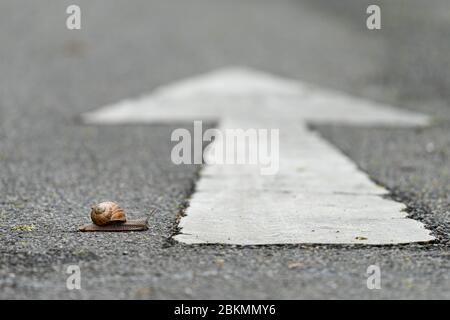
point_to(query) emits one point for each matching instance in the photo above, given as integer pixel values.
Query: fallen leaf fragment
(23, 228)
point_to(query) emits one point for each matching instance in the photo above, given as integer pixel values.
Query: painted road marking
(318, 196)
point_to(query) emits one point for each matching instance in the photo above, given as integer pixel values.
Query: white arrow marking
(318, 195)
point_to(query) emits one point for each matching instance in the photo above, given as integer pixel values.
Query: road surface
(53, 167)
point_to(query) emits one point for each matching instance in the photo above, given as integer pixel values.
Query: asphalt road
(53, 168)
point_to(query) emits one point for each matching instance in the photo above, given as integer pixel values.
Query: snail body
(107, 213)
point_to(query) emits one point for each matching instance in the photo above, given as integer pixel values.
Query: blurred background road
(52, 168)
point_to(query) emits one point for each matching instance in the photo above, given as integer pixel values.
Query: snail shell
(106, 213)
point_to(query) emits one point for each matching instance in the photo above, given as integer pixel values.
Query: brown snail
(109, 216)
(106, 213)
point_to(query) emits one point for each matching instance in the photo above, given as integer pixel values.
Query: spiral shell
(106, 213)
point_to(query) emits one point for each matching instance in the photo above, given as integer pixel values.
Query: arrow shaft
(318, 196)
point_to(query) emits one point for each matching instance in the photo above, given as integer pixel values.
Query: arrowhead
(231, 81)
(247, 94)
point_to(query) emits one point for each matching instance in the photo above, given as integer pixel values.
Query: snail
(109, 216)
(106, 213)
